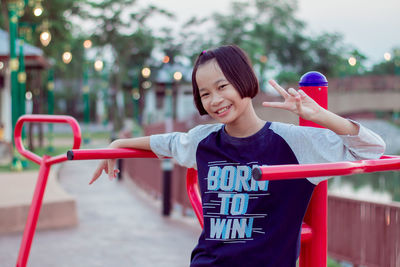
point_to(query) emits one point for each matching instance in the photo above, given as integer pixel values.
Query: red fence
(364, 233)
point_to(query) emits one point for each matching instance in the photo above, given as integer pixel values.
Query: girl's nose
(216, 99)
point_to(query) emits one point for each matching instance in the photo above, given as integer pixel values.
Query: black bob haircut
(236, 67)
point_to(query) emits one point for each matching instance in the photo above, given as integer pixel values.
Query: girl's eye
(222, 86)
(204, 95)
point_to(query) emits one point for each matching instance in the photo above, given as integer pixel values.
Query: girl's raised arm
(304, 106)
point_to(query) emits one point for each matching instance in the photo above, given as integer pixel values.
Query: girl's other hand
(295, 101)
(108, 167)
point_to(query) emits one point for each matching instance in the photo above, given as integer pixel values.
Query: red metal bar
(117, 153)
(33, 214)
(306, 232)
(282, 172)
(45, 163)
(45, 119)
(192, 188)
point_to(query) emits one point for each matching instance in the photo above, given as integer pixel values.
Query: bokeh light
(98, 65)
(387, 56)
(45, 38)
(87, 44)
(165, 59)
(178, 76)
(146, 72)
(37, 11)
(67, 57)
(28, 95)
(352, 61)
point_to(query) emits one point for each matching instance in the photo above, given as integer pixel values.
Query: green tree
(275, 40)
(56, 19)
(120, 26)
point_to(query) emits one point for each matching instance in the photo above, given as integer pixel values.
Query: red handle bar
(45, 119)
(108, 153)
(294, 171)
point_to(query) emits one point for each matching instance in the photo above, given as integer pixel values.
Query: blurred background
(123, 68)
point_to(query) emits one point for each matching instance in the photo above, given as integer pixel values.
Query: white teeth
(222, 110)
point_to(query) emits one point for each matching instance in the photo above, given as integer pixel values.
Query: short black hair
(236, 67)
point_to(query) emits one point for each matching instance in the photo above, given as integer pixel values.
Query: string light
(38, 9)
(67, 57)
(45, 38)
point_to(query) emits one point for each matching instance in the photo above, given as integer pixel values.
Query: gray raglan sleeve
(181, 146)
(316, 145)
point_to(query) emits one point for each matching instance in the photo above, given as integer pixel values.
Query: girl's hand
(105, 165)
(295, 101)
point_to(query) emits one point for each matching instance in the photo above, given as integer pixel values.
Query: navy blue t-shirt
(249, 222)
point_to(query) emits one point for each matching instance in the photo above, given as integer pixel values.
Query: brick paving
(118, 226)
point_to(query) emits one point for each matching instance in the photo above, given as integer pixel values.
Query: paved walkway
(118, 226)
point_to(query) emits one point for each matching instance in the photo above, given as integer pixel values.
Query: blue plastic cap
(313, 78)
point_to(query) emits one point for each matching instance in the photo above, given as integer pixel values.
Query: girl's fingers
(298, 104)
(111, 171)
(94, 179)
(293, 92)
(274, 104)
(278, 88)
(96, 174)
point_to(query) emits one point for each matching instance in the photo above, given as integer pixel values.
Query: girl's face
(219, 98)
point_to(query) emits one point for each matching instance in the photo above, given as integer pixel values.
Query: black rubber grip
(70, 155)
(256, 173)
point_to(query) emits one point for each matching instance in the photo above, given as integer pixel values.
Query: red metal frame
(313, 234)
(45, 163)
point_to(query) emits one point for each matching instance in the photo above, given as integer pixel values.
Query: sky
(372, 27)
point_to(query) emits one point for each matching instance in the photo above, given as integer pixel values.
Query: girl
(250, 223)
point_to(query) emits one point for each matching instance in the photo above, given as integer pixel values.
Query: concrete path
(118, 226)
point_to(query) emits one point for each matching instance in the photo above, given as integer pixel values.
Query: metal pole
(314, 252)
(34, 212)
(22, 87)
(85, 93)
(14, 66)
(135, 101)
(21, 78)
(104, 85)
(50, 107)
(167, 165)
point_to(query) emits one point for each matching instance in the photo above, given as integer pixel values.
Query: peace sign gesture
(295, 101)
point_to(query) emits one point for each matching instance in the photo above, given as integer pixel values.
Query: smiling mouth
(222, 110)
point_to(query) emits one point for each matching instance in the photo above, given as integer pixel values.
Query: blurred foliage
(390, 66)
(384, 182)
(333, 263)
(122, 29)
(55, 18)
(270, 28)
(269, 31)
